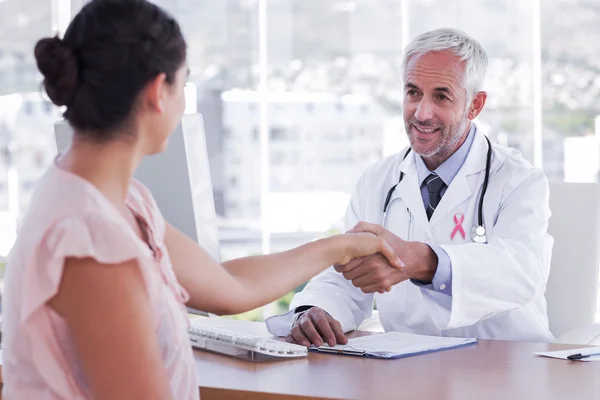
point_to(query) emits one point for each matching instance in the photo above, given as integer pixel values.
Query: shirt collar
(449, 168)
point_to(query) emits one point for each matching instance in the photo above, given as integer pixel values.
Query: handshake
(378, 272)
(372, 272)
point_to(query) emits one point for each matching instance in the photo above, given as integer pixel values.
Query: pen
(340, 351)
(579, 356)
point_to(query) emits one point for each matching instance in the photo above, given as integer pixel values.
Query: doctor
(467, 217)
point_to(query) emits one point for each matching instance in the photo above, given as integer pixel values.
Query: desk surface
(487, 370)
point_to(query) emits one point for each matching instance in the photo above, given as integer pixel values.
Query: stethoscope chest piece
(478, 234)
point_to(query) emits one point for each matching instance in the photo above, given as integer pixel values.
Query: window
(22, 23)
(334, 73)
(278, 133)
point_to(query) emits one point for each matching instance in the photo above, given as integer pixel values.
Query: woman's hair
(110, 51)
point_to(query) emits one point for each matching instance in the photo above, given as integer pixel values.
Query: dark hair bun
(57, 62)
(109, 52)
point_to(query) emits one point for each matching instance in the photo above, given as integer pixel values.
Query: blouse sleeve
(90, 236)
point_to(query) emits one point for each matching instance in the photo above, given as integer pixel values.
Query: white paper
(392, 344)
(563, 354)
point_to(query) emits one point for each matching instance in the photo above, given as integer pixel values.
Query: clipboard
(394, 345)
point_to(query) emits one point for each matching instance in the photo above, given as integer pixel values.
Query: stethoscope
(478, 231)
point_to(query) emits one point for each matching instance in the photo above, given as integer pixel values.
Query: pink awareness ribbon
(458, 220)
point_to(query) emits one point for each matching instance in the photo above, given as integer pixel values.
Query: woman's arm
(246, 283)
(112, 324)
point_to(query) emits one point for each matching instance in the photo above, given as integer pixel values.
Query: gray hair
(461, 45)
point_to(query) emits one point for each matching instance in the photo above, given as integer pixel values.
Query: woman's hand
(363, 244)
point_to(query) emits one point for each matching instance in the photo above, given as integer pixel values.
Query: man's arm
(442, 278)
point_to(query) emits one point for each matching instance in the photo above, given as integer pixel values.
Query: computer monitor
(179, 179)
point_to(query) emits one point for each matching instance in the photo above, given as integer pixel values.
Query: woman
(97, 281)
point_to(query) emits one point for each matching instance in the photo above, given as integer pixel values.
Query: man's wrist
(298, 311)
(426, 264)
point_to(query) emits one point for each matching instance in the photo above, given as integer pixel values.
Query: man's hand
(374, 274)
(315, 326)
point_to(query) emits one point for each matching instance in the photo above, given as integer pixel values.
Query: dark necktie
(434, 184)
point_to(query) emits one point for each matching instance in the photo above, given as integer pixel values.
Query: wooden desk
(487, 370)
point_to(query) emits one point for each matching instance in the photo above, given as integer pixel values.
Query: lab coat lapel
(410, 193)
(460, 190)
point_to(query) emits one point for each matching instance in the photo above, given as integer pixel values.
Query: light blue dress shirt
(442, 280)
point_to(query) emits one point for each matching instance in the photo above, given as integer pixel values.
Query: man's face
(436, 114)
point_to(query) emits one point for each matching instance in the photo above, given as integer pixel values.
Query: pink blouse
(69, 217)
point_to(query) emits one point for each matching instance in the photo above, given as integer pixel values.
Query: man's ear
(477, 105)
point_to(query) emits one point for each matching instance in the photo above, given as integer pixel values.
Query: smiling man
(467, 217)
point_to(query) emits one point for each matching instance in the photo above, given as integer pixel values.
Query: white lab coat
(497, 288)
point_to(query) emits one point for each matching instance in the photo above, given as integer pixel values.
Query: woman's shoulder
(59, 194)
(63, 202)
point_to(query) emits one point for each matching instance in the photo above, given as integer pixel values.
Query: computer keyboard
(241, 345)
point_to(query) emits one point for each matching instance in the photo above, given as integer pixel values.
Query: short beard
(448, 145)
